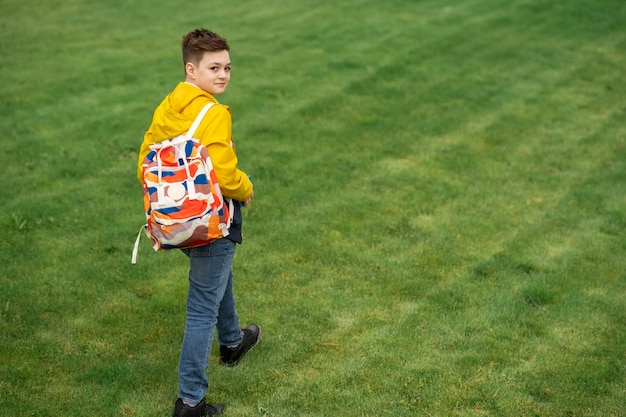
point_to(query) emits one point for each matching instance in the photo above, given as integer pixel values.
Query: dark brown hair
(199, 41)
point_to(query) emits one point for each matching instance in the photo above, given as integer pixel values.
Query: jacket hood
(178, 110)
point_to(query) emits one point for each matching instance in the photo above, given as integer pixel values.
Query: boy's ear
(190, 70)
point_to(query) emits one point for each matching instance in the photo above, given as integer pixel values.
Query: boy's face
(212, 73)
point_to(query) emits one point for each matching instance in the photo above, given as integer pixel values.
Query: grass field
(439, 226)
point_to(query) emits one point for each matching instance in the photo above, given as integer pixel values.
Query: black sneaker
(251, 337)
(201, 410)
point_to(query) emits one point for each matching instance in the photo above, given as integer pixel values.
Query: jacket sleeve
(215, 132)
(143, 151)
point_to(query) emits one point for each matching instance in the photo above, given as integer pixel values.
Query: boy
(210, 300)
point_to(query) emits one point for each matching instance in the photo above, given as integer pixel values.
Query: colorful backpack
(182, 199)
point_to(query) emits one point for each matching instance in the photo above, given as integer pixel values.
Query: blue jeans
(210, 305)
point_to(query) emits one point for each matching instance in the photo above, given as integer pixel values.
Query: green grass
(439, 226)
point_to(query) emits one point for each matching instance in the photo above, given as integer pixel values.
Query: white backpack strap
(196, 122)
(133, 259)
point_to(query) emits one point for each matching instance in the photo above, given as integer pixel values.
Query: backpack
(182, 199)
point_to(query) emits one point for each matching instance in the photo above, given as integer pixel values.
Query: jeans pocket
(220, 247)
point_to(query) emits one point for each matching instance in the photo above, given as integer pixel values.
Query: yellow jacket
(174, 117)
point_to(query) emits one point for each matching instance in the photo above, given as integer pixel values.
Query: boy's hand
(248, 200)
